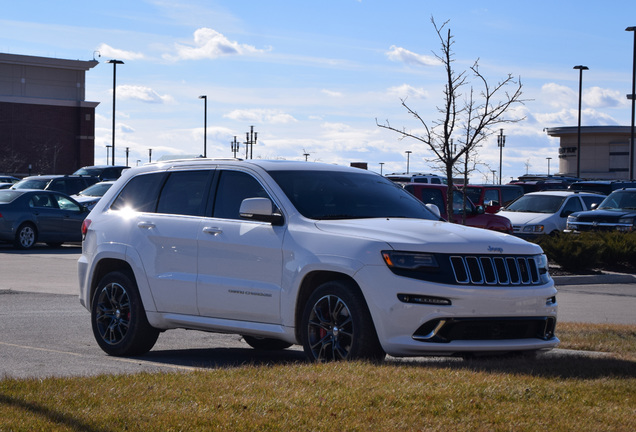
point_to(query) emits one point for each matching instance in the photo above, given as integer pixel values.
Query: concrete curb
(606, 278)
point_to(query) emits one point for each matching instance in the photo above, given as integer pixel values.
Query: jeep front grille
(495, 270)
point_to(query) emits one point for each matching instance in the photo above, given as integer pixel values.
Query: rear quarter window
(140, 193)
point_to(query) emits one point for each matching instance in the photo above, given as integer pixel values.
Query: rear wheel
(26, 236)
(337, 325)
(118, 318)
(266, 344)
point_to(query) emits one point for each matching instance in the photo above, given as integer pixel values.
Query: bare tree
(469, 119)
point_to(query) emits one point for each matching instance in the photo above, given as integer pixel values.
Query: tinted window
(348, 195)
(42, 201)
(510, 194)
(589, 200)
(233, 187)
(140, 193)
(474, 194)
(431, 196)
(184, 193)
(65, 203)
(491, 195)
(572, 205)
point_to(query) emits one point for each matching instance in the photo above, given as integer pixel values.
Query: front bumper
(478, 318)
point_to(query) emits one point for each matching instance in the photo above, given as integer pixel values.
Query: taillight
(85, 225)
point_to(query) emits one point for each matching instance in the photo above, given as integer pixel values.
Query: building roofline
(567, 130)
(47, 62)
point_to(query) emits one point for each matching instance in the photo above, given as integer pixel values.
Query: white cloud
(558, 96)
(261, 116)
(409, 57)
(331, 93)
(210, 44)
(405, 91)
(597, 97)
(142, 93)
(119, 54)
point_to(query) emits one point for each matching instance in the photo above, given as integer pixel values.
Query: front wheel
(118, 318)
(337, 325)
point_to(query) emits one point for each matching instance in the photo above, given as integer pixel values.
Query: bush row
(592, 251)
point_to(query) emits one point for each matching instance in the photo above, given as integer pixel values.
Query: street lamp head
(203, 97)
(113, 61)
(581, 67)
(630, 28)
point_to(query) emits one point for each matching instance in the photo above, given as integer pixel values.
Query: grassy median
(559, 393)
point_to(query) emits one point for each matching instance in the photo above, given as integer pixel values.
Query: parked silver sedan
(31, 216)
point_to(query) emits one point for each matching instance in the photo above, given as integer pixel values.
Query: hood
(525, 218)
(430, 236)
(604, 215)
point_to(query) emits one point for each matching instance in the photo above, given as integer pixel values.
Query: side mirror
(594, 206)
(434, 209)
(260, 209)
(480, 209)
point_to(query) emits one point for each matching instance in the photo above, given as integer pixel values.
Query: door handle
(146, 225)
(212, 230)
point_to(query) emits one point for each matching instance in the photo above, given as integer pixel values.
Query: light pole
(149, 155)
(381, 166)
(114, 63)
(501, 142)
(578, 136)
(632, 96)
(205, 125)
(548, 158)
(408, 159)
(108, 147)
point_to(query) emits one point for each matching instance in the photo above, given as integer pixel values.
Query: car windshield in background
(345, 195)
(31, 184)
(624, 200)
(473, 193)
(97, 190)
(537, 204)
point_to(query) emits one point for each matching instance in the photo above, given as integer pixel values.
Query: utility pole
(501, 142)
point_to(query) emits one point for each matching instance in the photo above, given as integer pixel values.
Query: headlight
(626, 221)
(409, 260)
(572, 219)
(542, 266)
(533, 228)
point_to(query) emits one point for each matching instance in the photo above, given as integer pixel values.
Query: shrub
(576, 253)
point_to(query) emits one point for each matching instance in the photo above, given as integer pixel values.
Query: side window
(41, 200)
(589, 200)
(140, 193)
(59, 185)
(434, 196)
(491, 195)
(184, 193)
(66, 204)
(572, 205)
(232, 189)
(435, 180)
(510, 194)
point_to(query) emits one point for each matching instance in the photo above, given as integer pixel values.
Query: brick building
(46, 126)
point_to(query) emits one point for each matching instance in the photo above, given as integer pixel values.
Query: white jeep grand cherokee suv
(338, 259)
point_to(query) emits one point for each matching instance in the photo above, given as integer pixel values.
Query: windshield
(537, 204)
(97, 190)
(474, 193)
(31, 184)
(88, 172)
(348, 195)
(619, 200)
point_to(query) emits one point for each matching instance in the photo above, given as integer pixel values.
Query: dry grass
(559, 393)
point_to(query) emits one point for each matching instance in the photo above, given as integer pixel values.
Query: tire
(266, 344)
(118, 318)
(336, 325)
(26, 236)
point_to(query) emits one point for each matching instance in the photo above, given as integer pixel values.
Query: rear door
(239, 261)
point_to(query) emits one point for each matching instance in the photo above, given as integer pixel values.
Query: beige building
(46, 125)
(604, 150)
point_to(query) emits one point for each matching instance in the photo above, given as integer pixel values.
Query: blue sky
(313, 76)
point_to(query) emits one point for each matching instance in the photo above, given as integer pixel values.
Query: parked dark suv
(605, 187)
(616, 212)
(68, 184)
(102, 172)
